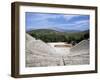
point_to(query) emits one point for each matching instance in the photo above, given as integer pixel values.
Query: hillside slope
(49, 35)
(39, 53)
(79, 54)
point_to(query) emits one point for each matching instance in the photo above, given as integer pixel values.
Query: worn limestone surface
(79, 54)
(39, 53)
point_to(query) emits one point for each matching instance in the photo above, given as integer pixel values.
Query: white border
(71, 68)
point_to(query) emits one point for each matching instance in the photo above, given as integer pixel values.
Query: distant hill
(54, 30)
(50, 35)
(43, 30)
(85, 31)
(64, 30)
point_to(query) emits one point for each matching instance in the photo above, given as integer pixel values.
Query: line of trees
(55, 37)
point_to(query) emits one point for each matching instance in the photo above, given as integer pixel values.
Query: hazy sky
(61, 21)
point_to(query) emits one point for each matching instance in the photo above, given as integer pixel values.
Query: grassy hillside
(49, 35)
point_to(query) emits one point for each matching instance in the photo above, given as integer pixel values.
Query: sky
(60, 21)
